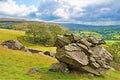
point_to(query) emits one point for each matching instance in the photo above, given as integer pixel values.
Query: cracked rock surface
(83, 55)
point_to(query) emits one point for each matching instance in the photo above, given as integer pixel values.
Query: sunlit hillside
(6, 34)
(16, 64)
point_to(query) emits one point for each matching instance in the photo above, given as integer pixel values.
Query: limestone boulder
(82, 54)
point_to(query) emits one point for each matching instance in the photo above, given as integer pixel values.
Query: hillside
(11, 19)
(73, 26)
(6, 34)
(16, 64)
(16, 23)
(108, 32)
(5, 22)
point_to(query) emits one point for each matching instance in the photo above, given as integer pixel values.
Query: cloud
(79, 11)
(72, 11)
(65, 9)
(10, 8)
(102, 12)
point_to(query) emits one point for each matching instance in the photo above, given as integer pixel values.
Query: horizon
(94, 12)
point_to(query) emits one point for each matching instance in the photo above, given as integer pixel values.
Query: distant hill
(11, 23)
(72, 26)
(8, 22)
(11, 19)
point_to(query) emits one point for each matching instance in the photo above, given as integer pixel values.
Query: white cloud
(67, 9)
(73, 11)
(10, 8)
(61, 13)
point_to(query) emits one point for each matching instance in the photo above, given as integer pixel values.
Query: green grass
(6, 34)
(110, 42)
(16, 64)
(87, 33)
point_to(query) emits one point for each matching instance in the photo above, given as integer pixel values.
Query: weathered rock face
(15, 45)
(95, 41)
(12, 44)
(83, 54)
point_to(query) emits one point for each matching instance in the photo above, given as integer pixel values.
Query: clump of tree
(44, 33)
(20, 26)
(114, 49)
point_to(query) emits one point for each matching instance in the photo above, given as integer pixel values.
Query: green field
(14, 65)
(6, 34)
(109, 42)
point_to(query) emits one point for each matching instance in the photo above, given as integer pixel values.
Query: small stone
(34, 70)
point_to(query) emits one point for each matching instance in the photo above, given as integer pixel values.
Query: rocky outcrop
(15, 45)
(83, 54)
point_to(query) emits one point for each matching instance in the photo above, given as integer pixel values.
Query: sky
(95, 12)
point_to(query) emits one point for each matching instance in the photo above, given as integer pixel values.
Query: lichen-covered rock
(83, 54)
